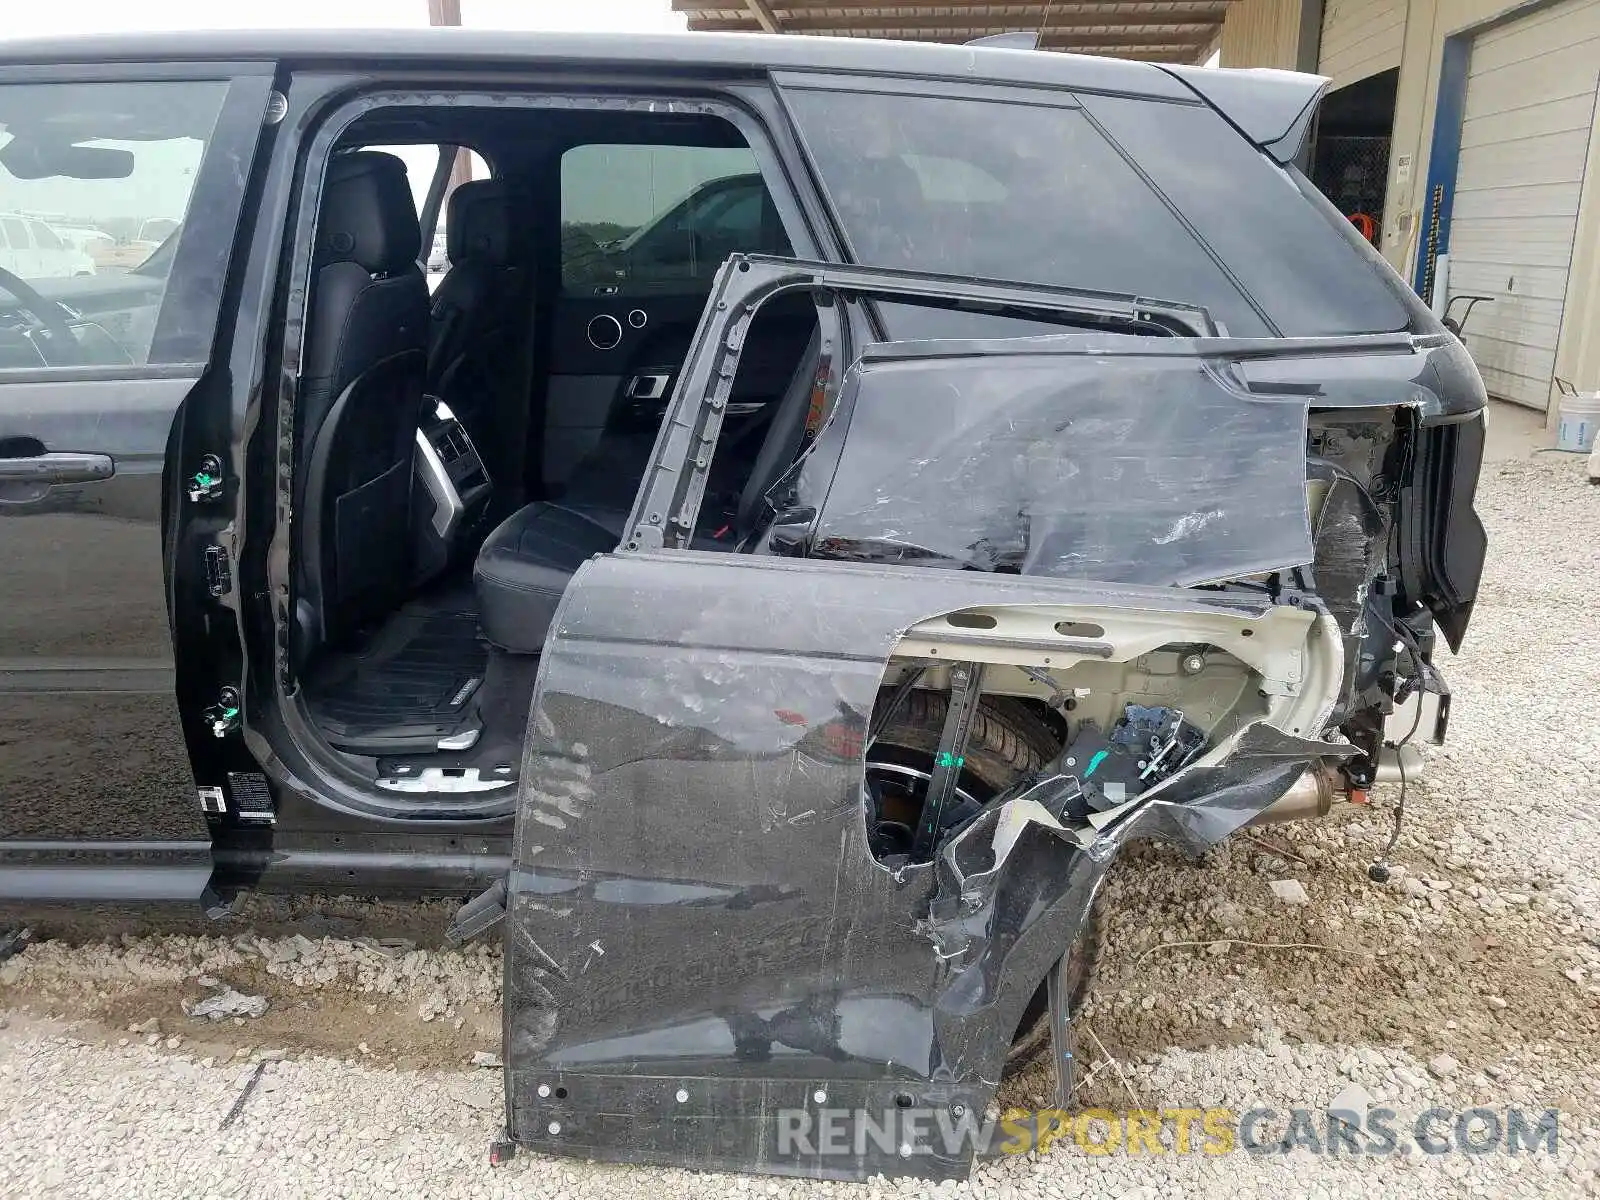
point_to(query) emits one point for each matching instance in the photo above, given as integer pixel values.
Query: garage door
(1524, 141)
(1361, 38)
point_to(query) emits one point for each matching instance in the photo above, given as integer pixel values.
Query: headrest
(481, 225)
(368, 215)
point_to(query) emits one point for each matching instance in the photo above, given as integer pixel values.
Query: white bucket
(1577, 422)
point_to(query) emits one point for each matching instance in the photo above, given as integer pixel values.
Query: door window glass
(117, 163)
(648, 218)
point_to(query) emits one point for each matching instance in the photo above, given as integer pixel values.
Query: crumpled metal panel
(1086, 457)
(1202, 806)
(698, 937)
(1016, 854)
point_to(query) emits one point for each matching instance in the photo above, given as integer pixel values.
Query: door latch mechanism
(223, 716)
(219, 577)
(206, 483)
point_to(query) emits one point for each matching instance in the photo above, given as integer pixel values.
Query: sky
(26, 19)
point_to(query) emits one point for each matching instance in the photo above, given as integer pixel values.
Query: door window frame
(200, 267)
(752, 110)
(318, 148)
(667, 506)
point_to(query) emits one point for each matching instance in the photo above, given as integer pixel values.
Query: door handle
(62, 467)
(649, 385)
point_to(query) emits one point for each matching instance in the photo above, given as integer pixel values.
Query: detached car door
(709, 962)
(99, 377)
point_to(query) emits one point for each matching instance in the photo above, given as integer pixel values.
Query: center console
(451, 491)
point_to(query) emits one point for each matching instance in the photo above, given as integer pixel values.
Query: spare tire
(1008, 740)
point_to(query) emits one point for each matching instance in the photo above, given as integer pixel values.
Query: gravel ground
(1471, 978)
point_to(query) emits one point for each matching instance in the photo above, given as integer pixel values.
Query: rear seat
(524, 566)
(525, 563)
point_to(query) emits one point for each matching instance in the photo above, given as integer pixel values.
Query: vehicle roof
(414, 48)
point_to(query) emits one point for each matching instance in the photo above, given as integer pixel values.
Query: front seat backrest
(480, 316)
(485, 254)
(360, 400)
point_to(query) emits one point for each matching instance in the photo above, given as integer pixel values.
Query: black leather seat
(480, 314)
(526, 563)
(361, 395)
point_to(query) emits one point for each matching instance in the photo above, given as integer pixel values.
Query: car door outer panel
(86, 657)
(699, 939)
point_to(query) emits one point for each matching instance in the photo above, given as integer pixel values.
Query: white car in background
(86, 239)
(33, 250)
(127, 255)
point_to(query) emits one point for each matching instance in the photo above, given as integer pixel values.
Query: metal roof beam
(955, 28)
(977, 20)
(1034, 11)
(1165, 34)
(762, 12)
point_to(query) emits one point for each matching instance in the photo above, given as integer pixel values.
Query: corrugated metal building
(1478, 122)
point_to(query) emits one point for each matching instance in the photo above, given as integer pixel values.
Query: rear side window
(1037, 193)
(1302, 269)
(652, 218)
(1004, 191)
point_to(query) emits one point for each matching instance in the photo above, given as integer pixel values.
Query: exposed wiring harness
(1379, 871)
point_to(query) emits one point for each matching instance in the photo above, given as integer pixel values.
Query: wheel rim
(909, 781)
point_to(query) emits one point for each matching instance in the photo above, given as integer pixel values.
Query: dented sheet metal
(1093, 456)
(699, 939)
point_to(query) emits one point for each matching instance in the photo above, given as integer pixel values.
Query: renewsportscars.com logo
(955, 1131)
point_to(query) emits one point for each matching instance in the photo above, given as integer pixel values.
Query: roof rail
(1022, 39)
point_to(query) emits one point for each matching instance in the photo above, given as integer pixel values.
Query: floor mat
(411, 686)
(492, 762)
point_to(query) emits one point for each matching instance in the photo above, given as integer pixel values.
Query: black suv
(837, 496)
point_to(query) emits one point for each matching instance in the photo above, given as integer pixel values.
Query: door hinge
(223, 716)
(206, 483)
(219, 577)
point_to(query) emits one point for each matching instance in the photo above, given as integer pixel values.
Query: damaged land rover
(838, 496)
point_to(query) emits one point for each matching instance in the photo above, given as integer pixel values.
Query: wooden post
(448, 12)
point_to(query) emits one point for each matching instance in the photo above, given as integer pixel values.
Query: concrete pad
(1515, 432)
